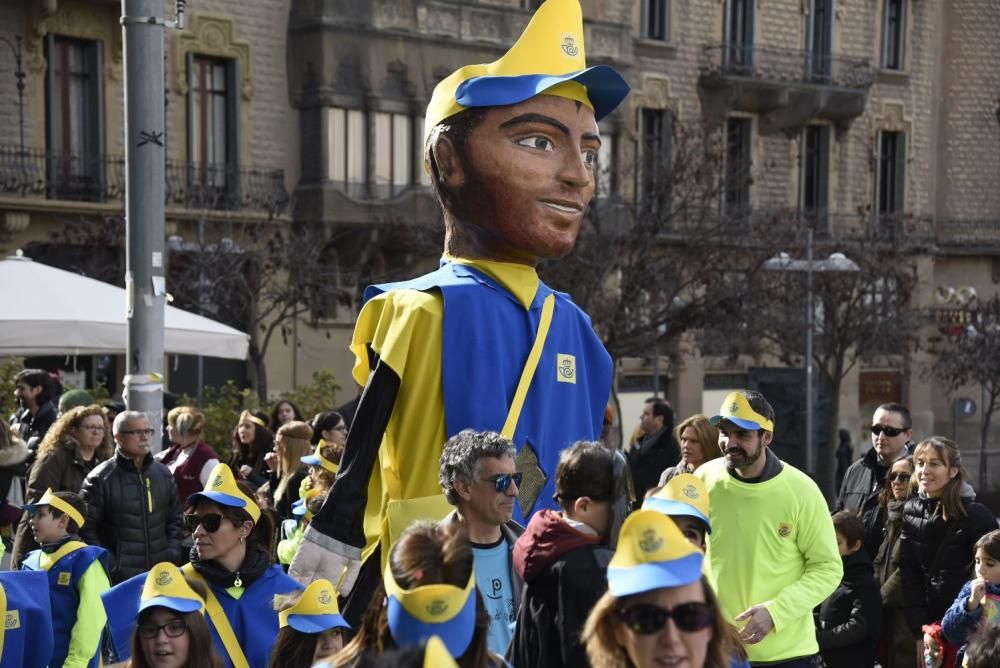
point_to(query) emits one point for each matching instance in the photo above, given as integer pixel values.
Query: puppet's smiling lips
(564, 207)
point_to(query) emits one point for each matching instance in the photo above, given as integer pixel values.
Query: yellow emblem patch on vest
(566, 368)
(12, 620)
(784, 529)
(64, 578)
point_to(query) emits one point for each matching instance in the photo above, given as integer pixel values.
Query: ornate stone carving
(396, 84)
(655, 93)
(483, 25)
(74, 19)
(892, 119)
(439, 19)
(209, 36)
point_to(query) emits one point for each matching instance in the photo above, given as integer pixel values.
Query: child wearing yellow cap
(510, 148)
(684, 499)
(77, 573)
(311, 628)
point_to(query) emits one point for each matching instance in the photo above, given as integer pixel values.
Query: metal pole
(142, 35)
(810, 398)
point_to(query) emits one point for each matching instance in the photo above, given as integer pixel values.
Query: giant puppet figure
(480, 343)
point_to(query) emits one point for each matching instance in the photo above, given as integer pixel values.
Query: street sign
(965, 407)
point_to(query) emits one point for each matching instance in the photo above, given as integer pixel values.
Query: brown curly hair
(65, 432)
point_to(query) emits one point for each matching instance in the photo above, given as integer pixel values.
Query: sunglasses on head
(900, 476)
(210, 522)
(891, 432)
(646, 618)
(501, 481)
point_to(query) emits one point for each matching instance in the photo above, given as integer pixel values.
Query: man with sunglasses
(132, 505)
(479, 477)
(865, 478)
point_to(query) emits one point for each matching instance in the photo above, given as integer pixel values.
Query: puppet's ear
(445, 159)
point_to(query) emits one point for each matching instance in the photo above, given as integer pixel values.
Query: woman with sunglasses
(899, 650)
(171, 631)
(659, 609)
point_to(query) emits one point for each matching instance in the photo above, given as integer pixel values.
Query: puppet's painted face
(529, 179)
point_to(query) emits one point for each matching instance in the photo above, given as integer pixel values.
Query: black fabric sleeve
(342, 515)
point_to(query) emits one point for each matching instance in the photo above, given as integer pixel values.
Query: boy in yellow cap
(78, 575)
(772, 555)
(481, 343)
(684, 499)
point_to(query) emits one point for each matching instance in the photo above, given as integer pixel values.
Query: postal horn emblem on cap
(163, 579)
(437, 607)
(650, 542)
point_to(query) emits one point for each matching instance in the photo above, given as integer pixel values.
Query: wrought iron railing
(775, 64)
(33, 172)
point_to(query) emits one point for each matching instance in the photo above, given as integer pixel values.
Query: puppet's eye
(537, 141)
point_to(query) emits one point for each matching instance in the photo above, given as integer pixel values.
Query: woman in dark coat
(900, 651)
(252, 440)
(940, 530)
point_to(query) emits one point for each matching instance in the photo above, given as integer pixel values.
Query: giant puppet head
(511, 145)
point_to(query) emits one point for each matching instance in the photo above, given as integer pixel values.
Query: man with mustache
(481, 343)
(772, 555)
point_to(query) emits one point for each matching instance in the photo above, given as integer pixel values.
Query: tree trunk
(258, 371)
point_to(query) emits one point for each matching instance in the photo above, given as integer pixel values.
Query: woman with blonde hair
(659, 607)
(428, 590)
(73, 446)
(699, 442)
(189, 458)
(291, 443)
(940, 530)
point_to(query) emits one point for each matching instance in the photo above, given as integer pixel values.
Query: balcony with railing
(787, 87)
(35, 173)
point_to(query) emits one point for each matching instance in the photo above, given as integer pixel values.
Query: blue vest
(27, 633)
(486, 338)
(64, 594)
(252, 616)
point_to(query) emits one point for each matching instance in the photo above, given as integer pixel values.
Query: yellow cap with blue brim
(548, 58)
(736, 409)
(50, 499)
(443, 610)
(317, 459)
(652, 553)
(316, 611)
(166, 587)
(222, 489)
(684, 494)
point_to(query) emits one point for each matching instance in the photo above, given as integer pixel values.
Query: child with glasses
(78, 575)
(849, 622)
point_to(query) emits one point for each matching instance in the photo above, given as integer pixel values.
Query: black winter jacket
(863, 482)
(936, 557)
(133, 514)
(650, 458)
(849, 623)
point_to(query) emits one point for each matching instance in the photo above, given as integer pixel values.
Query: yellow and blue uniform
(78, 575)
(26, 612)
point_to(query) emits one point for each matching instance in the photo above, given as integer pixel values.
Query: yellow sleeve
(85, 638)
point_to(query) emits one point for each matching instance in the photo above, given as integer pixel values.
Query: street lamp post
(836, 262)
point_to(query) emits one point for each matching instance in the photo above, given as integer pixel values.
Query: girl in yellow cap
(311, 628)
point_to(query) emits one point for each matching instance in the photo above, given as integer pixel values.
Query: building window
(893, 34)
(75, 118)
(740, 34)
(656, 19)
(348, 166)
(815, 181)
(656, 130)
(891, 172)
(604, 167)
(393, 154)
(531, 4)
(820, 26)
(737, 166)
(213, 132)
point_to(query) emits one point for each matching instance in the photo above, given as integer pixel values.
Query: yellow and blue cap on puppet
(222, 489)
(443, 610)
(50, 499)
(684, 494)
(316, 611)
(166, 587)
(549, 57)
(736, 409)
(652, 554)
(300, 508)
(317, 458)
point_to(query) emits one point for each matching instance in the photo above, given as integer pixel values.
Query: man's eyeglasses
(175, 628)
(646, 618)
(891, 432)
(210, 522)
(900, 476)
(501, 481)
(143, 432)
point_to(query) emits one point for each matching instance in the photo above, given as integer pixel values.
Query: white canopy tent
(49, 311)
